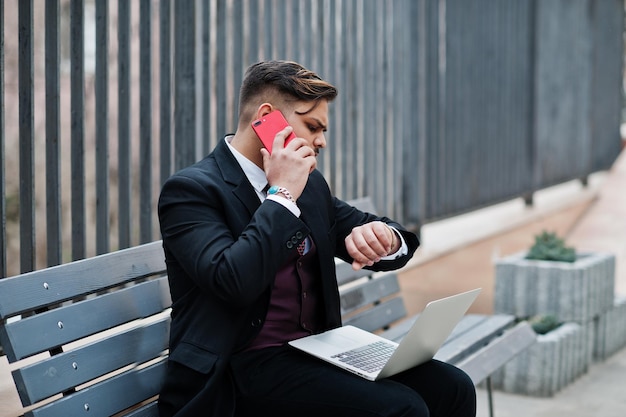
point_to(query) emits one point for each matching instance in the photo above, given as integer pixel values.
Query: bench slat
(368, 292)
(28, 291)
(59, 373)
(468, 322)
(379, 316)
(473, 339)
(83, 318)
(364, 204)
(498, 352)
(148, 410)
(108, 397)
(346, 274)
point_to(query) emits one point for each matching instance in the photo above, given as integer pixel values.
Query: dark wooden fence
(445, 105)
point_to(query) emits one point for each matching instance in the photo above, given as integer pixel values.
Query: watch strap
(275, 189)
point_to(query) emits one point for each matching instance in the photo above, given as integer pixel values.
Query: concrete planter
(578, 291)
(610, 330)
(554, 361)
(582, 295)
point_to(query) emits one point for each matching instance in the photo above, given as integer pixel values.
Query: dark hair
(291, 80)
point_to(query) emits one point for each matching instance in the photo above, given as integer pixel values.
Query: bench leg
(489, 396)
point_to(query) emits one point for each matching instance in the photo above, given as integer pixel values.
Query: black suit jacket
(222, 250)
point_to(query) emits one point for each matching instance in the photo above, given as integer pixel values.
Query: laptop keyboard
(369, 358)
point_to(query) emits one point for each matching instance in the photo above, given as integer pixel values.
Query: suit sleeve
(348, 217)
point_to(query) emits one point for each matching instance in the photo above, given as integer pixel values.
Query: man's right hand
(289, 166)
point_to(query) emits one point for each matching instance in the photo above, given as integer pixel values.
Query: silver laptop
(373, 357)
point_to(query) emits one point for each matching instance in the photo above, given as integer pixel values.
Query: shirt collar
(256, 176)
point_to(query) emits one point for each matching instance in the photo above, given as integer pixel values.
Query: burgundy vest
(294, 309)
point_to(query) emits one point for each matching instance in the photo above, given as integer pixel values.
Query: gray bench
(91, 337)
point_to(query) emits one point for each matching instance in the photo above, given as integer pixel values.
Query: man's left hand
(368, 243)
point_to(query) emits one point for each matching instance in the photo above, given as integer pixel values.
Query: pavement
(458, 254)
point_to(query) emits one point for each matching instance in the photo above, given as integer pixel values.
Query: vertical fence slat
(77, 67)
(53, 133)
(336, 130)
(165, 90)
(236, 63)
(386, 190)
(607, 73)
(26, 129)
(145, 123)
(252, 38)
(184, 84)
(325, 18)
(389, 57)
(280, 14)
(531, 146)
(205, 76)
(3, 200)
(306, 45)
(124, 178)
(102, 127)
(268, 44)
(219, 67)
(562, 112)
(346, 102)
(368, 126)
(414, 179)
(359, 92)
(293, 42)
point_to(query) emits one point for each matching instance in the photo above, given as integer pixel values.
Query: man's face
(310, 121)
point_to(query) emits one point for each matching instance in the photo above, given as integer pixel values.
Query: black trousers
(285, 382)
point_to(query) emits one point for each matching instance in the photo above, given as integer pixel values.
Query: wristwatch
(275, 189)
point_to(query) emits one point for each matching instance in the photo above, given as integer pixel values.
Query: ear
(264, 109)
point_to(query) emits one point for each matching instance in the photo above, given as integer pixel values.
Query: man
(251, 269)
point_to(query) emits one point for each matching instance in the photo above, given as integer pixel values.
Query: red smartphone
(268, 126)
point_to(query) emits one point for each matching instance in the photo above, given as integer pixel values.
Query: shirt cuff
(404, 249)
(289, 205)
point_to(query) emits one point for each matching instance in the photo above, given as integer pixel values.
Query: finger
(385, 237)
(313, 165)
(311, 162)
(265, 154)
(359, 261)
(357, 266)
(279, 139)
(377, 238)
(302, 147)
(360, 248)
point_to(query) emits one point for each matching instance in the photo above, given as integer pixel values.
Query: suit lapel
(314, 219)
(234, 175)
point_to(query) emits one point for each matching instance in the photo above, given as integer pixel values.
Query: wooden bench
(91, 337)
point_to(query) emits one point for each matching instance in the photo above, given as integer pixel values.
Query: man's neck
(248, 145)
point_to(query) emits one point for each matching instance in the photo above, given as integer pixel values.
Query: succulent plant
(549, 247)
(544, 323)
